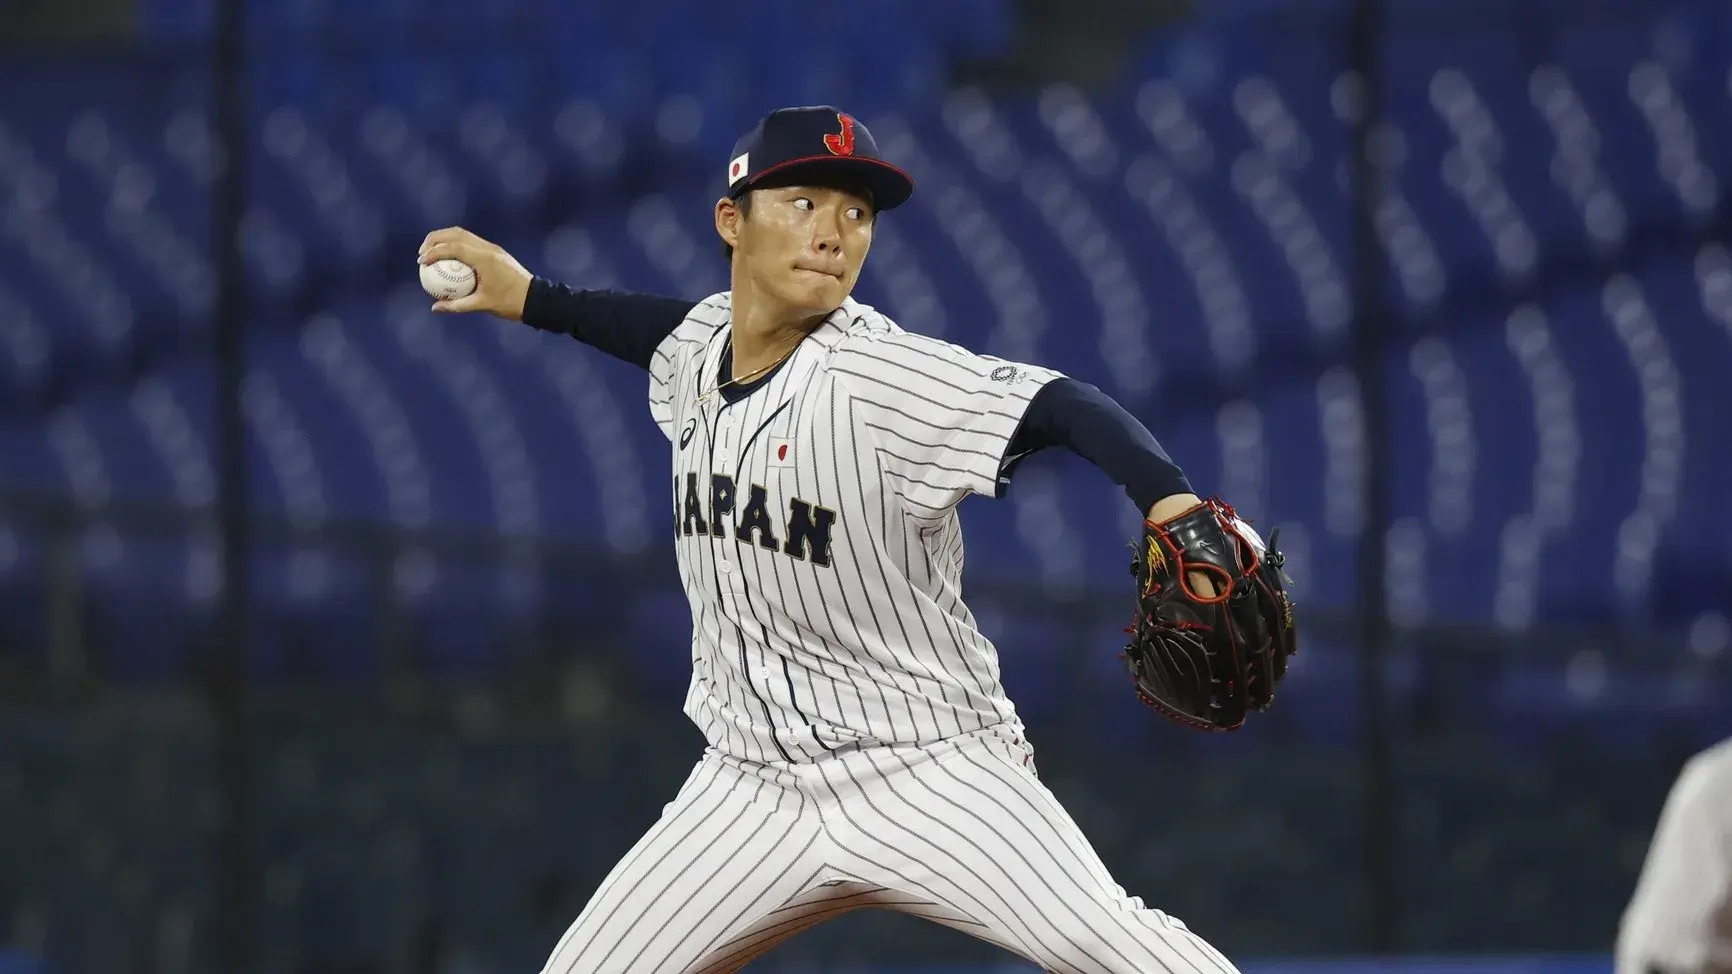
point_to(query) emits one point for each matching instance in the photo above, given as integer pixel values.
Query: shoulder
(870, 334)
(900, 357)
(707, 317)
(700, 326)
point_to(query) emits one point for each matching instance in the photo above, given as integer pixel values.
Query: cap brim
(890, 186)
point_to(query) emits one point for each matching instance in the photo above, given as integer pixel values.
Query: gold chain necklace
(749, 376)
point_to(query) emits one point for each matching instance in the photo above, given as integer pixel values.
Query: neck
(766, 330)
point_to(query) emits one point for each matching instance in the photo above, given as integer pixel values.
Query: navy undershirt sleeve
(623, 324)
(1089, 423)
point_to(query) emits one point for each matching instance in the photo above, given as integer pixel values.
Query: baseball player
(1680, 919)
(861, 749)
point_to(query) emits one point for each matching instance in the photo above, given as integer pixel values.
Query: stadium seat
(1194, 217)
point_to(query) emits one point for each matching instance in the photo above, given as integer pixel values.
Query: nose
(827, 233)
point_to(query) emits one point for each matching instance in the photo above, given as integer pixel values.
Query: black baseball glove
(1207, 661)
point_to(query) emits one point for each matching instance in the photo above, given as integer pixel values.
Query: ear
(728, 220)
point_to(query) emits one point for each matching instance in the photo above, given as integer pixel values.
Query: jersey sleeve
(941, 416)
(662, 372)
(675, 360)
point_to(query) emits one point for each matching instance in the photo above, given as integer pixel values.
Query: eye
(856, 213)
(802, 203)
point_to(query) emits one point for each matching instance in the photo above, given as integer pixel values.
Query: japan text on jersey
(816, 532)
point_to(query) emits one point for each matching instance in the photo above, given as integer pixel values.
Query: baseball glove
(1206, 662)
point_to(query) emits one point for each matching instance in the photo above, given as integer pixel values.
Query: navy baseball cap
(819, 138)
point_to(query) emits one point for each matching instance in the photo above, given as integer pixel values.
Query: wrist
(518, 304)
(1172, 506)
(539, 307)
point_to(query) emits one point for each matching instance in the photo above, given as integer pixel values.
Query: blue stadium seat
(1180, 239)
(149, 598)
(314, 613)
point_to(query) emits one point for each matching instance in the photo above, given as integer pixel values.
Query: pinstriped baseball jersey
(817, 535)
(862, 751)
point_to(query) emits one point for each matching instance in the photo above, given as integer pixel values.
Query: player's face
(804, 245)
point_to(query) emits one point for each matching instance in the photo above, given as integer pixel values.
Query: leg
(825, 902)
(733, 847)
(967, 826)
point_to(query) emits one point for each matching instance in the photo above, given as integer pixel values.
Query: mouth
(836, 275)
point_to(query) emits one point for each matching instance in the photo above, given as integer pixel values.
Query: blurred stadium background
(1439, 287)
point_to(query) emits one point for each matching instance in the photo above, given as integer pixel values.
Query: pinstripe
(937, 510)
(972, 680)
(837, 470)
(629, 863)
(925, 466)
(800, 914)
(847, 806)
(841, 681)
(946, 852)
(742, 950)
(875, 354)
(801, 473)
(782, 651)
(1046, 809)
(928, 444)
(657, 897)
(968, 679)
(899, 392)
(861, 635)
(1119, 928)
(1015, 849)
(676, 883)
(867, 864)
(834, 494)
(630, 870)
(874, 545)
(742, 887)
(798, 582)
(928, 422)
(971, 644)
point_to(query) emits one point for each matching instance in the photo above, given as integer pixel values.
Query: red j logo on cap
(841, 144)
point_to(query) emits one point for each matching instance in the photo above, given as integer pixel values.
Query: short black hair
(802, 176)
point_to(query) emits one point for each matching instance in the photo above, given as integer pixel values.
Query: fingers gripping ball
(447, 280)
(1206, 661)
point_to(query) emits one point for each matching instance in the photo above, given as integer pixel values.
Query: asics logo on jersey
(686, 434)
(806, 529)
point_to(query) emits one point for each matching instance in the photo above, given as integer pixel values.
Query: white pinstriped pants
(961, 833)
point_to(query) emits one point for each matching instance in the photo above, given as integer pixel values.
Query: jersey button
(727, 567)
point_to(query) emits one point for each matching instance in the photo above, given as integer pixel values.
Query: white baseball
(448, 279)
